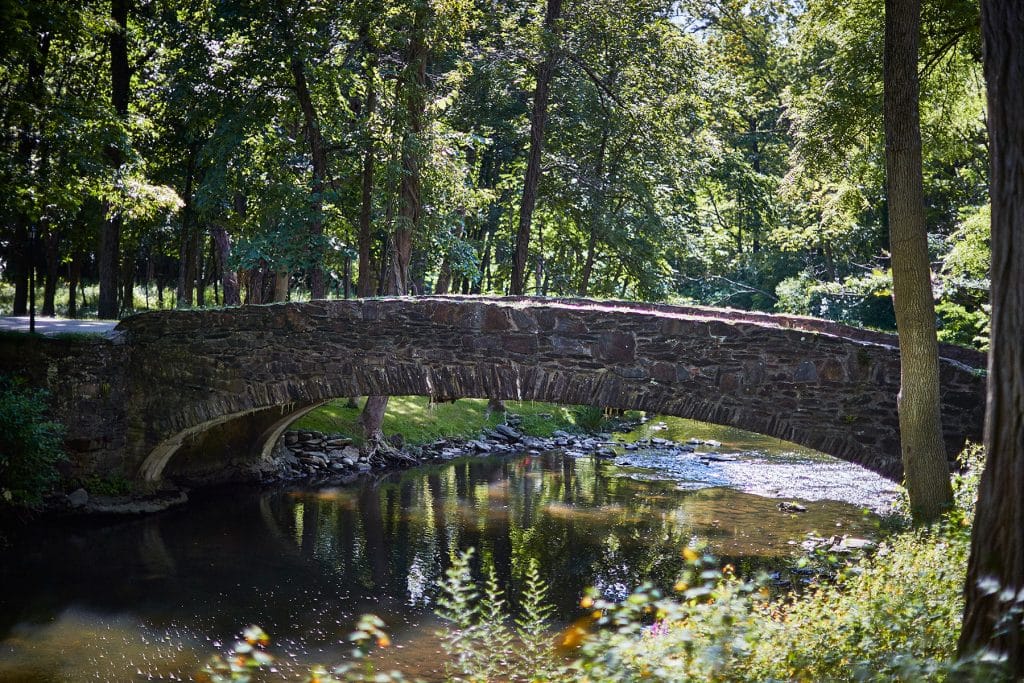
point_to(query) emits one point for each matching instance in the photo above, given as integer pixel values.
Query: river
(152, 598)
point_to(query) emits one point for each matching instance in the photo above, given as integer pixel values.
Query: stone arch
(196, 376)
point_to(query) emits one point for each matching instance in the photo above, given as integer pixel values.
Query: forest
(179, 153)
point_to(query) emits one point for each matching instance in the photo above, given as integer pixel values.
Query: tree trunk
(110, 232)
(52, 272)
(926, 470)
(186, 248)
(596, 215)
(200, 275)
(538, 119)
(74, 276)
(128, 283)
(228, 277)
(997, 547)
(318, 153)
(281, 279)
(366, 285)
(412, 87)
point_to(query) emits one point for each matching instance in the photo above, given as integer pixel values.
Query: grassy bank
(420, 422)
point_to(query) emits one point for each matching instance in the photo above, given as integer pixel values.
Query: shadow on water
(153, 597)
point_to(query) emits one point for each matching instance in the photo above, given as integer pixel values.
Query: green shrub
(588, 418)
(30, 444)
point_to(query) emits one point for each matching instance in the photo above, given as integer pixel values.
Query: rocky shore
(325, 458)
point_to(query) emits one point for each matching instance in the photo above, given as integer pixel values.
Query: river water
(152, 598)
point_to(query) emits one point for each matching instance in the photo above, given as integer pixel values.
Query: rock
(717, 457)
(480, 446)
(687, 448)
(338, 443)
(694, 442)
(855, 543)
(339, 466)
(363, 467)
(78, 498)
(789, 506)
(713, 443)
(348, 462)
(316, 455)
(396, 440)
(291, 438)
(350, 452)
(631, 447)
(558, 433)
(605, 453)
(508, 433)
(659, 442)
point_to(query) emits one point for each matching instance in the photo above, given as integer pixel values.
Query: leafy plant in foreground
(30, 444)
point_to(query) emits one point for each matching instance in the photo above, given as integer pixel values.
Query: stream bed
(151, 598)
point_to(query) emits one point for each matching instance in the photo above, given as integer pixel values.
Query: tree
(120, 85)
(925, 467)
(538, 119)
(993, 616)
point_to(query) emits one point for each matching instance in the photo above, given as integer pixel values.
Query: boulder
(78, 498)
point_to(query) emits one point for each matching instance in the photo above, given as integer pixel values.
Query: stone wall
(188, 379)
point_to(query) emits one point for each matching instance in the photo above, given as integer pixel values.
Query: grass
(420, 422)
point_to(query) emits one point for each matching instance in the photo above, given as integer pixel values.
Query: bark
(110, 232)
(228, 277)
(538, 119)
(281, 279)
(318, 153)
(997, 546)
(926, 469)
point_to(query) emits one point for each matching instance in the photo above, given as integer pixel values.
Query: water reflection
(305, 564)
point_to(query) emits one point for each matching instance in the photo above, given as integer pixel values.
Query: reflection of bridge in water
(193, 392)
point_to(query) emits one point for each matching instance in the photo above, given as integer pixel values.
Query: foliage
(31, 446)
(251, 660)
(480, 641)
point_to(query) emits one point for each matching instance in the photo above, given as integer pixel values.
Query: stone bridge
(190, 393)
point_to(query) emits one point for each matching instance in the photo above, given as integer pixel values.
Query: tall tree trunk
(412, 86)
(28, 141)
(925, 467)
(281, 279)
(74, 277)
(228, 278)
(538, 119)
(127, 283)
(596, 215)
(997, 547)
(200, 277)
(52, 241)
(110, 232)
(366, 286)
(186, 247)
(318, 153)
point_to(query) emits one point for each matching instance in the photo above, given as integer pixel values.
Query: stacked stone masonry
(196, 391)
